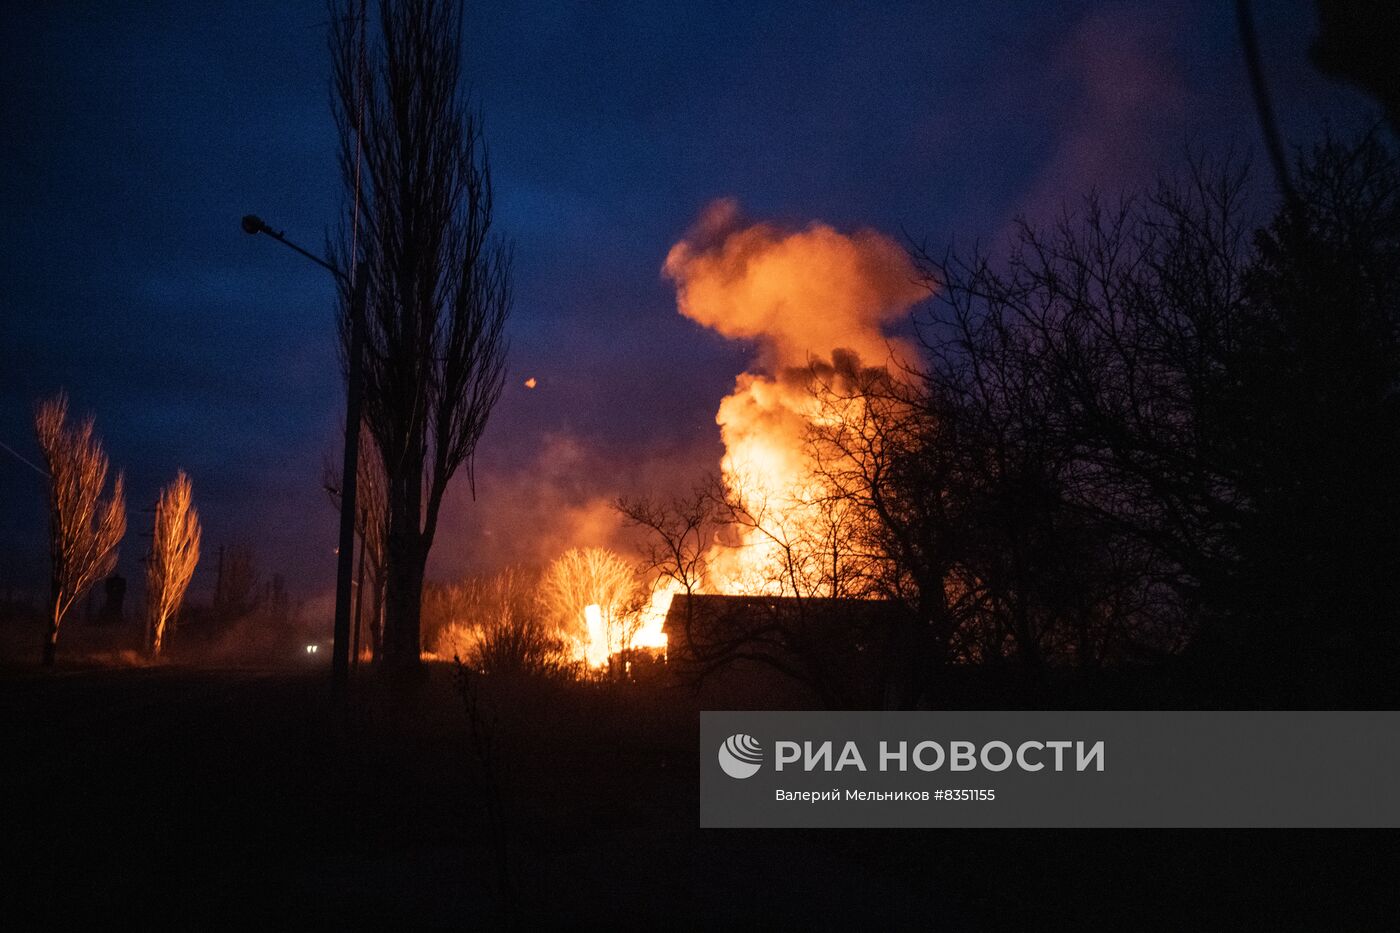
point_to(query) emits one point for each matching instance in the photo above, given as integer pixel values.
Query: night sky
(134, 140)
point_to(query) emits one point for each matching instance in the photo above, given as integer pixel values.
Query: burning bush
(496, 626)
(587, 609)
(592, 596)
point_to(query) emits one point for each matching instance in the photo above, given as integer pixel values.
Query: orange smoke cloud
(802, 293)
(812, 298)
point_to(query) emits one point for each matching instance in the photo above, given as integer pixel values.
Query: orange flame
(593, 595)
(807, 296)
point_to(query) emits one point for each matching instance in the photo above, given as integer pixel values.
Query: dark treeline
(1160, 432)
(1152, 431)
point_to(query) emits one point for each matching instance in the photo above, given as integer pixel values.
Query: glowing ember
(531, 383)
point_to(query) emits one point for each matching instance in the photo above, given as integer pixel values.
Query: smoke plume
(799, 293)
(811, 298)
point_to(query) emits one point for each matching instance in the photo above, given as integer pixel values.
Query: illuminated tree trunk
(403, 602)
(405, 562)
(376, 619)
(55, 618)
(359, 607)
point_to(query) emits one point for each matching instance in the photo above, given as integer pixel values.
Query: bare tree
(592, 595)
(680, 534)
(1086, 376)
(794, 608)
(889, 450)
(797, 543)
(174, 556)
(84, 529)
(439, 278)
(1310, 431)
(236, 588)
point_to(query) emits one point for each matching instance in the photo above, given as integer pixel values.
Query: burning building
(779, 585)
(776, 592)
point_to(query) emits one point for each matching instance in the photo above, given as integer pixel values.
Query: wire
(22, 459)
(1268, 126)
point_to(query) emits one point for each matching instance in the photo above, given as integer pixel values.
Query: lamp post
(354, 395)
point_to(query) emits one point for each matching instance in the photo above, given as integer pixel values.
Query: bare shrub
(498, 626)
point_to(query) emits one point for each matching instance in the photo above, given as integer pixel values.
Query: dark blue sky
(134, 139)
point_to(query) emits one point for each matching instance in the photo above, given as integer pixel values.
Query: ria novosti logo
(740, 756)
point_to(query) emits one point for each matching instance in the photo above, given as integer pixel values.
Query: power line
(1268, 126)
(25, 460)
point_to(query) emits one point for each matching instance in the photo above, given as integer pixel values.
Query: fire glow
(597, 647)
(816, 301)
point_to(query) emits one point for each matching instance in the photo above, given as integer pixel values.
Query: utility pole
(354, 399)
(349, 482)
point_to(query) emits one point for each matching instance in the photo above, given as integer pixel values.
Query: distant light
(531, 382)
(312, 649)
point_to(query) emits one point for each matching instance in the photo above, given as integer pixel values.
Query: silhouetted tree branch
(439, 278)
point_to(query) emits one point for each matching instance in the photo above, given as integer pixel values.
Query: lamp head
(252, 224)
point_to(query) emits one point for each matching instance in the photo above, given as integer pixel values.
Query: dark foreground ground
(244, 797)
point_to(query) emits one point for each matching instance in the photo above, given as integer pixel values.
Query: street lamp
(354, 394)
